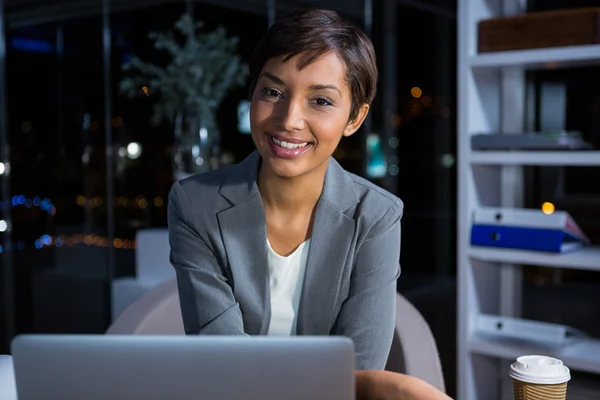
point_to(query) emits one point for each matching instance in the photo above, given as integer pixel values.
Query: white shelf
(564, 158)
(579, 354)
(549, 58)
(586, 258)
(493, 96)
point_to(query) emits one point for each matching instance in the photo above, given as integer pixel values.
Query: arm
(368, 314)
(385, 385)
(208, 305)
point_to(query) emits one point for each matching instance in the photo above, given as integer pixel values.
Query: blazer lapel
(331, 240)
(244, 235)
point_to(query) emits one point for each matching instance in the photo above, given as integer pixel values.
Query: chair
(8, 389)
(155, 313)
(152, 267)
(414, 351)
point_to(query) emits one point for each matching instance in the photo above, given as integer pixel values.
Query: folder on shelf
(526, 229)
(527, 330)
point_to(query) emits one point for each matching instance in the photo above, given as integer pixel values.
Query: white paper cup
(539, 378)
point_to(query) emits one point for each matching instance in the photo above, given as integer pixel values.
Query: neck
(291, 194)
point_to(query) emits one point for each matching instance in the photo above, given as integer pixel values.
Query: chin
(290, 169)
(285, 168)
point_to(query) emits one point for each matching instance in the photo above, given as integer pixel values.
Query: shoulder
(205, 183)
(201, 190)
(377, 210)
(357, 197)
(373, 199)
(373, 195)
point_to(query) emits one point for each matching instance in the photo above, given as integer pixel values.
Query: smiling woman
(287, 242)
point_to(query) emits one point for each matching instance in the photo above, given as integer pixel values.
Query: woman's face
(298, 117)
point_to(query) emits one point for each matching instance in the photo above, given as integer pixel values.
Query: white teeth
(288, 145)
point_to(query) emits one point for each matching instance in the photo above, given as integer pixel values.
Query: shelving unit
(492, 98)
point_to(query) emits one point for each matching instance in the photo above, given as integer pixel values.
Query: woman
(287, 242)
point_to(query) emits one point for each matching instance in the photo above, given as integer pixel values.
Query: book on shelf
(526, 229)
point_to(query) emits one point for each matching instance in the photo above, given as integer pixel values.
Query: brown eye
(323, 102)
(269, 92)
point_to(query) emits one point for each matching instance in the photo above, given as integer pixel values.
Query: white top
(286, 276)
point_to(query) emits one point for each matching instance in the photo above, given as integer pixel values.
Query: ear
(354, 124)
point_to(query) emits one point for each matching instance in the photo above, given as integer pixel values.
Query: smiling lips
(288, 148)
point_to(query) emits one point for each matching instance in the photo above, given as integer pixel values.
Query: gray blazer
(218, 237)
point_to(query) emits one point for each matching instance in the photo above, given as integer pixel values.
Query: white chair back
(152, 255)
(8, 388)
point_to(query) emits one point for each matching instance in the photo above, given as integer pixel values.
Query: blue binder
(526, 230)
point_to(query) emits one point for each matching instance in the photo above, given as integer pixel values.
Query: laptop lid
(183, 367)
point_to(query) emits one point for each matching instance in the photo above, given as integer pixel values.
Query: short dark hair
(316, 32)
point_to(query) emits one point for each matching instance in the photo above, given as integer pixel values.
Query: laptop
(95, 367)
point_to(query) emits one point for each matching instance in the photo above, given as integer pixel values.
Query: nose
(289, 115)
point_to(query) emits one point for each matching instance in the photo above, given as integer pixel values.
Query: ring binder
(526, 229)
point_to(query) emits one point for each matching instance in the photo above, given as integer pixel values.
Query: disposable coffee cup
(539, 378)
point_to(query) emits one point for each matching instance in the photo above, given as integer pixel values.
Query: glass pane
(145, 148)
(6, 266)
(58, 175)
(420, 155)
(31, 68)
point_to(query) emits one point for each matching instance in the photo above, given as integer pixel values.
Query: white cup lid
(540, 370)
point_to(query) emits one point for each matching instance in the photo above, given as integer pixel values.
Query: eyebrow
(278, 81)
(325, 87)
(273, 78)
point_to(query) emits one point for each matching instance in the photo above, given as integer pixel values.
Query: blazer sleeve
(368, 314)
(208, 306)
